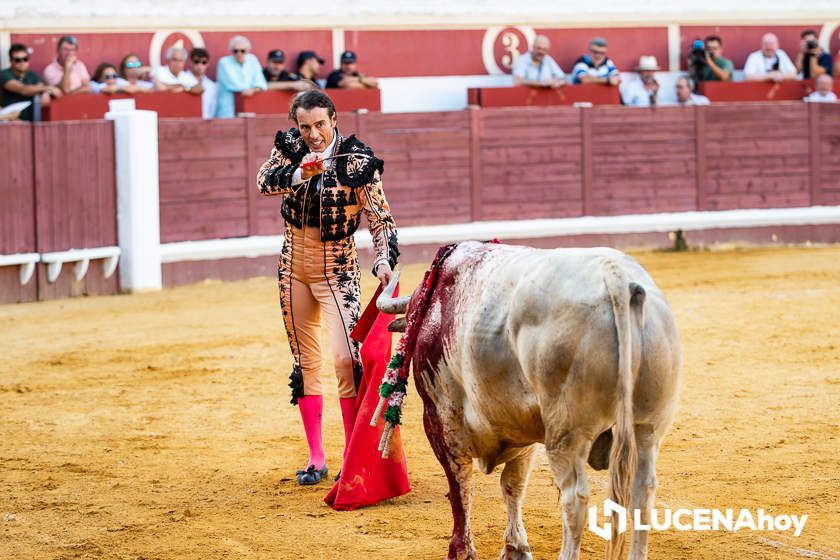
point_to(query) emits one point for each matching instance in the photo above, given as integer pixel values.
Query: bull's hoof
(513, 552)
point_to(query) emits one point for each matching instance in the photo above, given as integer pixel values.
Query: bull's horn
(387, 303)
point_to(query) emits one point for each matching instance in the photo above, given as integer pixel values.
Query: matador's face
(316, 127)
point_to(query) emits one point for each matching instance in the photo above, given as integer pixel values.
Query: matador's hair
(309, 100)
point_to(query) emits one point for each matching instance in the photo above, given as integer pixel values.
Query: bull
(576, 349)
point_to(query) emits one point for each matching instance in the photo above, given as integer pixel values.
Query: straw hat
(647, 62)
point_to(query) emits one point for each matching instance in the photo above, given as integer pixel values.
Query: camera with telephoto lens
(811, 44)
(697, 57)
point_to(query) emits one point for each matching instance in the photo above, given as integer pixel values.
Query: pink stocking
(311, 408)
(348, 414)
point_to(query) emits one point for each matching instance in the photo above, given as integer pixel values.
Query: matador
(324, 197)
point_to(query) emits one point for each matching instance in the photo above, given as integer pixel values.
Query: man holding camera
(706, 61)
(812, 61)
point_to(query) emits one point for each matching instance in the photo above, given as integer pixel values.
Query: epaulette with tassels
(357, 165)
(358, 168)
(291, 145)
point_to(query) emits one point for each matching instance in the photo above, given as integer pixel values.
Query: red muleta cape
(367, 478)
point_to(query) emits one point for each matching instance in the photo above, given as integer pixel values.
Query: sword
(319, 161)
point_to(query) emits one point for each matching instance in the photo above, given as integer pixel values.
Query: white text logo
(700, 519)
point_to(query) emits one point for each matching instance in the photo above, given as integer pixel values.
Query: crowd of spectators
(706, 62)
(23, 92)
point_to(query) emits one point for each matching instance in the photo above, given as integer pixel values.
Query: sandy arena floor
(157, 426)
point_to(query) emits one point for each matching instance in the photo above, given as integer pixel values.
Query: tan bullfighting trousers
(320, 278)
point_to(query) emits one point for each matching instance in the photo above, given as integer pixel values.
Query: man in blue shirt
(238, 72)
(536, 68)
(595, 67)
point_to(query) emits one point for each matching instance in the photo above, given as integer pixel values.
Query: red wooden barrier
(494, 164)
(203, 173)
(277, 102)
(643, 161)
(94, 106)
(428, 165)
(789, 90)
(826, 150)
(17, 212)
(528, 171)
(75, 194)
(524, 96)
(757, 156)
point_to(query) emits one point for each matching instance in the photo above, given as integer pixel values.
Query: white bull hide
(521, 346)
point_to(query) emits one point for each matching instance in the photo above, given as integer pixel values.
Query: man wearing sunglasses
(67, 71)
(199, 59)
(239, 72)
(18, 83)
(595, 67)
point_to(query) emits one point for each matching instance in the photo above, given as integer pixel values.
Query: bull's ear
(397, 325)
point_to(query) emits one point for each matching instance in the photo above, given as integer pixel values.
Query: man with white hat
(642, 92)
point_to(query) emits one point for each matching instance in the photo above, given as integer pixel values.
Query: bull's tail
(625, 296)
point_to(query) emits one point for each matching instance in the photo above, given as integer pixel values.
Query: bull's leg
(459, 475)
(567, 456)
(458, 468)
(644, 485)
(514, 482)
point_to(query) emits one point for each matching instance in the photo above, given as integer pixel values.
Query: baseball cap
(277, 55)
(306, 55)
(348, 56)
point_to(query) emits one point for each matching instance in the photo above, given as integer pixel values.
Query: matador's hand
(307, 171)
(384, 273)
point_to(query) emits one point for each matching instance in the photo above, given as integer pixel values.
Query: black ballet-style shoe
(337, 476)
(312, 475)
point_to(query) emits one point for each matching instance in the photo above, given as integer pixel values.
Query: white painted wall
(138, 199)
(360, 14)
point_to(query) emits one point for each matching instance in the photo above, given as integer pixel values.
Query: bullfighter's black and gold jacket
(350, 185)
